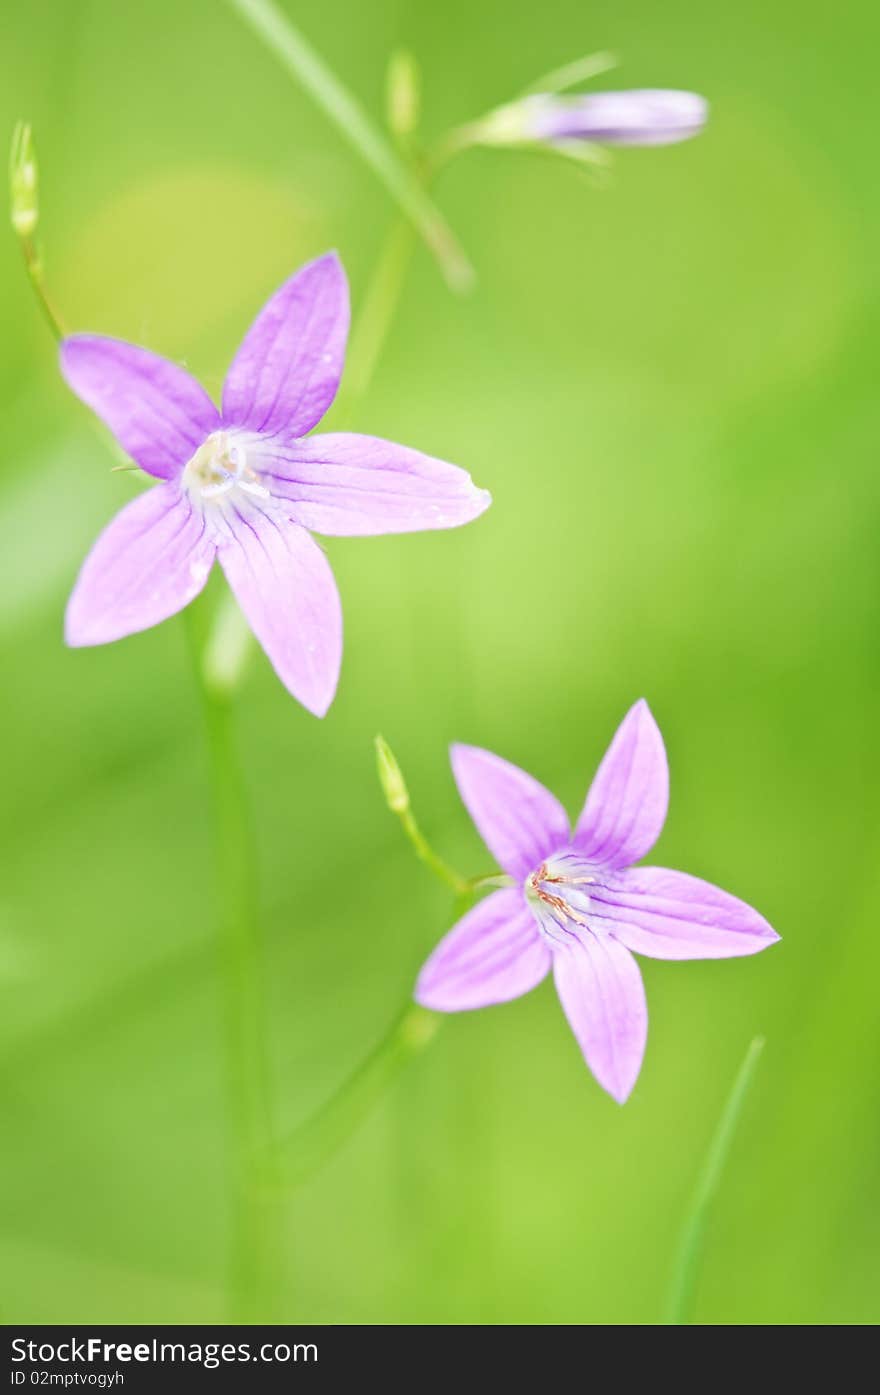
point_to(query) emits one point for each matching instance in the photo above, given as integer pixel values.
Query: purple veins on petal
(283, 583)
(627, 802)
(579, 899)
(345, 485)
(601, 991)
(287, 371)
(493, 954)
(670, 915)
(519, 820)
(157, 412)
(150, 561)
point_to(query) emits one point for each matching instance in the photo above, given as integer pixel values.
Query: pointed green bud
(23, 191)
(403, 94)
(418, 1028)
(228, 648)
(390, 778)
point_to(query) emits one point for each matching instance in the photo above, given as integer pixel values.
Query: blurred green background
(670, 387)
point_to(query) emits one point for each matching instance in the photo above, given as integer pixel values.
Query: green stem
(35, 276)
(426, 854)
(681, 1292)
(379, 304)
(270, 23)
(492, 881)
(34, 267)
(398, 801)
(385, 286)
(314, 1141)
(256, 1243)
(304, 1150)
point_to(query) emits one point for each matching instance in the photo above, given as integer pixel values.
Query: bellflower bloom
(245, 485)
(648, 117)
(578, 905)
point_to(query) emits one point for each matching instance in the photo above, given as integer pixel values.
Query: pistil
(219, 466)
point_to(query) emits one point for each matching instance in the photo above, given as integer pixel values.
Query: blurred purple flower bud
(646, 117)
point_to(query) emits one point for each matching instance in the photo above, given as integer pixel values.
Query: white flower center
(558, 894)
(220, 466)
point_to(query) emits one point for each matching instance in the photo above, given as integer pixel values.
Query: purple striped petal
(346, 485)
(284, 585)
(287, 371)
(493, 954)
(148, 563)
(520, 821)
(601, 991)
(157, 412)
(627, 802)
(670, 915)
(640, 117)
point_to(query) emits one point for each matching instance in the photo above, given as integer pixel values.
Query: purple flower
(244, 484)
(577, 904)
(648, 117)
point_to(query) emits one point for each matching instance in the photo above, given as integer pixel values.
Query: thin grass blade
(293, 50)
(681, 1290)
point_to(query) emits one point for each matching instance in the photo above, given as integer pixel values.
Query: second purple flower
(575, 903)
(243, 485)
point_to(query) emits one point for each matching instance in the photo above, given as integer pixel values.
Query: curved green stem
(378, 307)
(34, 270)
(426, 854)
(304, 1150)
(256, 1244)
(398, 801)
(385, 286)
(314, 1141)
(24, 211)
(681, 1290)
(270, 23)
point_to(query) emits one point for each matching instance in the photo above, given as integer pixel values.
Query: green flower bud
(390, 778)
(403, 94)
(23, 182)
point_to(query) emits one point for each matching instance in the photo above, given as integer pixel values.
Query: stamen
(564, 912)
(571, 881)
(249, 486)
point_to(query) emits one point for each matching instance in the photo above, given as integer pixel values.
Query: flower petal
(601, 991)
(642, 117)
(287, 370)
(627, 802)
(493, 954)
(284, 585)
(157, 412)
(670, 915)
(346, 485)
(520, 821)
(148, 563)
